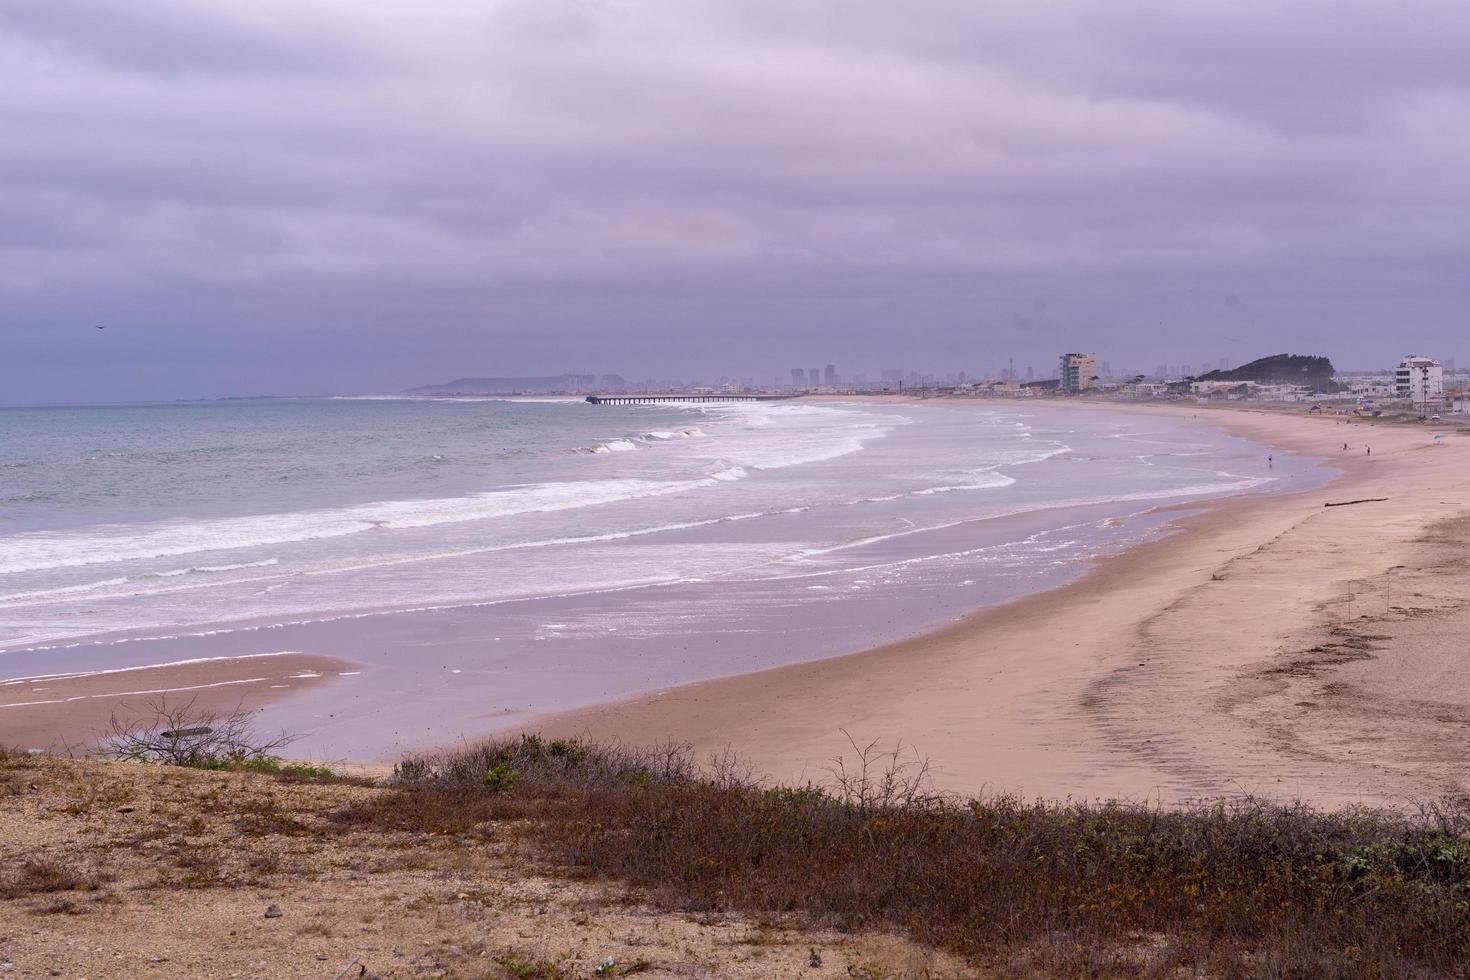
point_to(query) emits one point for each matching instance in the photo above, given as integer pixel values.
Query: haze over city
(272, 197)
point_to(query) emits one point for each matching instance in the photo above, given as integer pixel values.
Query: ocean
(488, 560)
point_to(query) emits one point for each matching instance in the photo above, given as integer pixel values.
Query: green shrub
(501, 778)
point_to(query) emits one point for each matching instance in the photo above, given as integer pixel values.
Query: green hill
(1295, 369)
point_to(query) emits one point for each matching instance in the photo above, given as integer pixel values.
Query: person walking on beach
(1270, 465)
(1370, 450)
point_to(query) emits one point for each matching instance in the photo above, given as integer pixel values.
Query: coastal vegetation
(1006, 886)
(1229, 888)
(180, 871)
(179, 733)
(1298, 369)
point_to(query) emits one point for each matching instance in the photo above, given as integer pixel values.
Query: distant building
(830, 375)
(1419, 379)
(798, 377)
(814, 377)
(1145, 389)
(1078, 372)
(1369, 386)
(1248, 390)
(557, 384)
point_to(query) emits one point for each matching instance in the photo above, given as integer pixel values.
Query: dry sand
(73, 711)
(1273, 646)
(175, 869)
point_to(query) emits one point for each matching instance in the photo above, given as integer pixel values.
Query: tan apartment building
(1078, 371)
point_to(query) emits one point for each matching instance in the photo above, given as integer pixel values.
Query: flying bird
(101, 326)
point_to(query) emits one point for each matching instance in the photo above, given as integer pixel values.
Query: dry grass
(1230, 889)
(39, 876)
(185, 892)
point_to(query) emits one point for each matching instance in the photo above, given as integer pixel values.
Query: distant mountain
(1292, 369)
(561, 383)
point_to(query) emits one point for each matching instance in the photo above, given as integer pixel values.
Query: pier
(647, 399)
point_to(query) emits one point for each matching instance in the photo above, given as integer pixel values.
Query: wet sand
(73, 711)
(433, 674)
(1272, 646)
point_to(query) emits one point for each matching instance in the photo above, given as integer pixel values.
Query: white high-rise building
(1419, 379)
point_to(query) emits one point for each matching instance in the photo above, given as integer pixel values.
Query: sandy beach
(1272, 645)
(1269, 645)
(73, 711)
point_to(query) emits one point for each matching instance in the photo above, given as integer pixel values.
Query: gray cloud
(174, 37)
(339, 196)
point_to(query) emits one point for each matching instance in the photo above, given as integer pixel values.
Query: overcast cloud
(288, 196)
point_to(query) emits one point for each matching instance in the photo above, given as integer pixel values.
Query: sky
(330, 196)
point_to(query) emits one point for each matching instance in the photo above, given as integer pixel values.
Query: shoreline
(435, 672)
(1155, 688)
(1157, 673)
(63, 711)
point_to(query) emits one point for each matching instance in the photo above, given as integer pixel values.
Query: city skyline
(802, 378)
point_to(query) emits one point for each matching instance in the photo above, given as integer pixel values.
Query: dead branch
(179, 734)
(882, 779)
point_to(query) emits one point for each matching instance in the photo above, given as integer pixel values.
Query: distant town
(1421, 385)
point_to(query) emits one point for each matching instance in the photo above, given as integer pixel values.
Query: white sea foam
(773, 437)
(109, 544)
(986, 479)
(211, 569)
(113, 543)
(310, 621)
(125, 694)
(74, 675)
(1237, 485)
(65, 591)
(615, 446)
(663, 435)
(389, 561)
(683, 479)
